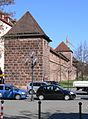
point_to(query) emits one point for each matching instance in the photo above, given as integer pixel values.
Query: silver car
(36, 85)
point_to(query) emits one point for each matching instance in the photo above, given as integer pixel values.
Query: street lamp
(69, 71)
(34, 61)
(68, 79)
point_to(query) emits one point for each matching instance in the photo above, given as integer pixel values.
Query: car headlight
(23, 93)
(71, 93)
(0, 95)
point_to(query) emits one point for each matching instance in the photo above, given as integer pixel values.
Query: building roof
(27, 27)
(10, 24)
(5, 17)
(59, 54)
(62, 47)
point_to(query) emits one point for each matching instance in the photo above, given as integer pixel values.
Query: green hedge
(67, 83)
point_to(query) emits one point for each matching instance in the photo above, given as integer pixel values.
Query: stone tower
(25, 37)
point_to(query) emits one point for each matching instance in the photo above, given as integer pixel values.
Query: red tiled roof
(62, 47)
(10, 24)
(27, 27)
(59, 54)
(5, 17)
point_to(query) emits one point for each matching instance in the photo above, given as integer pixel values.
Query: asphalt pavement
(50, 109)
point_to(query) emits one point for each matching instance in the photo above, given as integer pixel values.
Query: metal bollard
(39, 109)
(80, 110)
(1, 116)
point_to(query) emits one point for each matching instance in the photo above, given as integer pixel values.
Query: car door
(8, 92)
(1, 91)
(58, 93)
(49, 92)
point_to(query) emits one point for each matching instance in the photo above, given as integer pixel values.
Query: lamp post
(32, 67)
(69, 71)
(68, 79)
(34, 61)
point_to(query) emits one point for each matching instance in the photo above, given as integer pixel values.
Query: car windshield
(15, 88)
(60, 87)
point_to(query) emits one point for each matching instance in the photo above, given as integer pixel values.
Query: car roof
(52, 85)
(48, 85)
(38, 82)
(6, 85)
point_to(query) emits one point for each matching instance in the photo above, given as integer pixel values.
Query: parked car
(54, 92)
(8, 91)
(36, 85)
(83, 85)
(52, 82)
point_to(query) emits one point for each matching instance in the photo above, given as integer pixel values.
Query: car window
(43, 84)
(15, 88)
(49, 88)
(31, 84)
(44, 88)
(1, 87)
(7, 88)
(37, 84)
(56, 89)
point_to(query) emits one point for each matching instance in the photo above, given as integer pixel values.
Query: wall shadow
(22, 115)
(68, 116)
(47, 115)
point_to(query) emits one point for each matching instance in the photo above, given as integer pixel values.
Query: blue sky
(58, 18)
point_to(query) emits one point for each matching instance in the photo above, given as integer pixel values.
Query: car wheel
(17, 97)
(30, 91)
(66, 97)
(41, 97)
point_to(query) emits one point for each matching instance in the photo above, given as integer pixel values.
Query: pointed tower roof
(59, 54)
(62, 47)
(27, 27)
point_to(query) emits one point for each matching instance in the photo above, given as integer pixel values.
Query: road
(50, 109)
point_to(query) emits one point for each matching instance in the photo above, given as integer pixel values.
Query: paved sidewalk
(50, 109)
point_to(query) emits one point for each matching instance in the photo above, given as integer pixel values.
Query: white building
(6, 24)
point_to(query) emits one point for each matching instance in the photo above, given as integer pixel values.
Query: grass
(67, 83)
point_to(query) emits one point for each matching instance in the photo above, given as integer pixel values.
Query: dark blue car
(54, 92)
(8, 91)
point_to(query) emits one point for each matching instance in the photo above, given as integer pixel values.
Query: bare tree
(6, 2)
(81, 55)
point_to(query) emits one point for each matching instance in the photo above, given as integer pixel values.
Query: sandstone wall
(18, 60)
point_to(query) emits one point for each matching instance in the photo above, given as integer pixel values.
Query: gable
(27, 27)
(62, 47)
